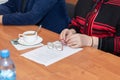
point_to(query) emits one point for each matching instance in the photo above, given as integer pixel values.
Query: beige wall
(71, 1)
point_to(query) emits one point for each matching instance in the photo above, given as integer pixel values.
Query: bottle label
(7, 75)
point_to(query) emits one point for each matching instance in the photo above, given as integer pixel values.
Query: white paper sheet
(46, 56)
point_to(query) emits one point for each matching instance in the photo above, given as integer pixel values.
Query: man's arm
(39, 10)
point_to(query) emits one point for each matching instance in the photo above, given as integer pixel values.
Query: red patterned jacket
(100, 19)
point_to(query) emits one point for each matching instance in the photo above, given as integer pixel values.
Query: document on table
(46, 56)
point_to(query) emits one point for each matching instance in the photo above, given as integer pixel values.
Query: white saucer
(22, 42)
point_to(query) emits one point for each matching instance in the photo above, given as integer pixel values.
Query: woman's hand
(79, 40)
(65, 33)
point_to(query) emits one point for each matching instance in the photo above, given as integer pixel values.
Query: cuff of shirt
(100, 43)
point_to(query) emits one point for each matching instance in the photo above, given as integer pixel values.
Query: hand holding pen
(65, 34)
(72, 39)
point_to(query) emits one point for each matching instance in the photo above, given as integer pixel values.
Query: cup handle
(20, 36)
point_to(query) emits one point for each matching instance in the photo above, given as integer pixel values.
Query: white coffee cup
(29, 36)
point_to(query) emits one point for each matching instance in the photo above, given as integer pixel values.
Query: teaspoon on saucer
(37, 30)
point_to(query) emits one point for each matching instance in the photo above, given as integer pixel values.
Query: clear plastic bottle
(7, 67)
(0, 55)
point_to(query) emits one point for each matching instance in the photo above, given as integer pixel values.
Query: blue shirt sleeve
(31, 17)
(8, 7)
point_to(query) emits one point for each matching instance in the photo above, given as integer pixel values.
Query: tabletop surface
(88, 64)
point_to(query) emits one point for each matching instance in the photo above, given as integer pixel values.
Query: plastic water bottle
(7, 67)
(0, 55)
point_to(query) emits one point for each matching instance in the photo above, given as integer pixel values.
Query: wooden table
(89, 64)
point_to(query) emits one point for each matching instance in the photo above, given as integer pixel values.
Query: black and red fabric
(113, 2)
(100, 18)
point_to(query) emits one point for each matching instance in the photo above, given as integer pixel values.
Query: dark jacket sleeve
(8, 7)
(39, 10)
(111, 44)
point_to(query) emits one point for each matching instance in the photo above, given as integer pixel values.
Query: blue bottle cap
(5, 53)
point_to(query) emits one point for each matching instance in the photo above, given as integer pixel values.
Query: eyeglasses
(55, 45)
